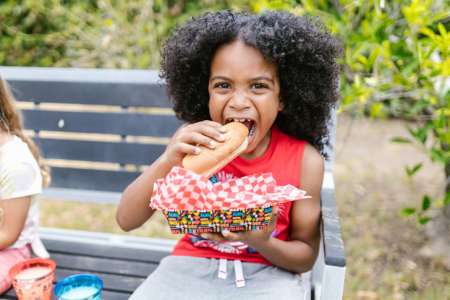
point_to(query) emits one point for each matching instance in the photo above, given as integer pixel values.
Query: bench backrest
(97, 128)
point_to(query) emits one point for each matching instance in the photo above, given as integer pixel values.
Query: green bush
(103, 34)
(31, 33)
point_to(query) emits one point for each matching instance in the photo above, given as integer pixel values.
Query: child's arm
(13, 214)
(134, 210)
(298, 254)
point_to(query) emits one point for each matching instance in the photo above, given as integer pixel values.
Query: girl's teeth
(240, 120)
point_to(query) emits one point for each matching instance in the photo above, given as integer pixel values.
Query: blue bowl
(79, 287)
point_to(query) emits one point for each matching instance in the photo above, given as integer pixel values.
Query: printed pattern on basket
(200, 221)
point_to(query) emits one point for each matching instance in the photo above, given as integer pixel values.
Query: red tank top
(283, 159)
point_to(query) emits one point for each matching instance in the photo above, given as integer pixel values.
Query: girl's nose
(239, 101)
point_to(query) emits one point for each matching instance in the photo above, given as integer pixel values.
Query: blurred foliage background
(395, 64)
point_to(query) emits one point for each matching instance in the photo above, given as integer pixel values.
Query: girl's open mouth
(249, 123)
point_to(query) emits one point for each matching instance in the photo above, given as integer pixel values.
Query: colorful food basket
(191, 203)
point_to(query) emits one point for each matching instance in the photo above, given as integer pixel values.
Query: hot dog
(209, 160)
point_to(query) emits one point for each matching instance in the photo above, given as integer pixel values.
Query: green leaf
(408, 211)
(411, 171)
(424, 220)
(373, 56)
(439, 122)
(376, 110)
(428, 32)
(447, 198)
(420, 134)
(426, 202)
(442, 30)
(401, 140)
(437, 155)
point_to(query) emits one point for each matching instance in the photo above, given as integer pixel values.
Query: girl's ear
(280, 106)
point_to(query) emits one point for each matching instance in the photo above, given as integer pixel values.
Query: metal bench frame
(133, 88)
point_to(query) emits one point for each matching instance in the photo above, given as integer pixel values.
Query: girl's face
(244, 87)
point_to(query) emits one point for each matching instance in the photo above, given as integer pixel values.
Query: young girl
(276, 73)
(20, 179)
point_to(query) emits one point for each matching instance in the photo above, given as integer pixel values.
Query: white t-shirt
(20, 176)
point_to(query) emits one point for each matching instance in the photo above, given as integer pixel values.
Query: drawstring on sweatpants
(238, 271)
(222, 269)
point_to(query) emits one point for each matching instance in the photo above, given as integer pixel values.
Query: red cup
(33, 279)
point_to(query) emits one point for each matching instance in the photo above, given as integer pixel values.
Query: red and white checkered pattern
(182, 189)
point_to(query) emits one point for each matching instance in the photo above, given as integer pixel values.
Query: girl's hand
(189, 137)
(251, 238)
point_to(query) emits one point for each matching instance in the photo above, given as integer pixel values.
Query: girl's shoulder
(5, 138)
(16, 158)
(15, 147)
(311, 154)
(19, 172)
(313, 164)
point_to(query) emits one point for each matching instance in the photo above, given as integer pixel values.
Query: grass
(383, 248)
(97, 217)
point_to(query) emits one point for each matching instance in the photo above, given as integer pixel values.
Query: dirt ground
(383, 260)
(372, 187)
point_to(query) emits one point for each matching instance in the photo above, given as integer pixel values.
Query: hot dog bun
(210, 161)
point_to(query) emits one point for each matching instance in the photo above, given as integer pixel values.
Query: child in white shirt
(21, 178)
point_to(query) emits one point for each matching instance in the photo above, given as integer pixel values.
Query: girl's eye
(259, 85)
(222, 85)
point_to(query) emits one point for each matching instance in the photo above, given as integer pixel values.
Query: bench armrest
(334, 253)
(329, 270)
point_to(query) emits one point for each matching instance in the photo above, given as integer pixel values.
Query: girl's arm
(298, 254)
(13, 214)
(133, 209)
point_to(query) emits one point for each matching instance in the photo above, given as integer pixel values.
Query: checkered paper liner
(193, 204)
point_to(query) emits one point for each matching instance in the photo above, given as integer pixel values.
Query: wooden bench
(98, 128)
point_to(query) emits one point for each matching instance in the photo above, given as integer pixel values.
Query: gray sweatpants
(185, 277)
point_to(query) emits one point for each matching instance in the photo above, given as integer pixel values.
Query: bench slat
(105, 251)
(136, 95)
(112, 152)
(87, 86)
(114, 283)
(101, 122)
(90, 179)
(103, 265)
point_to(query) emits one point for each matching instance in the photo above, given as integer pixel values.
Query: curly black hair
(303, 50)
